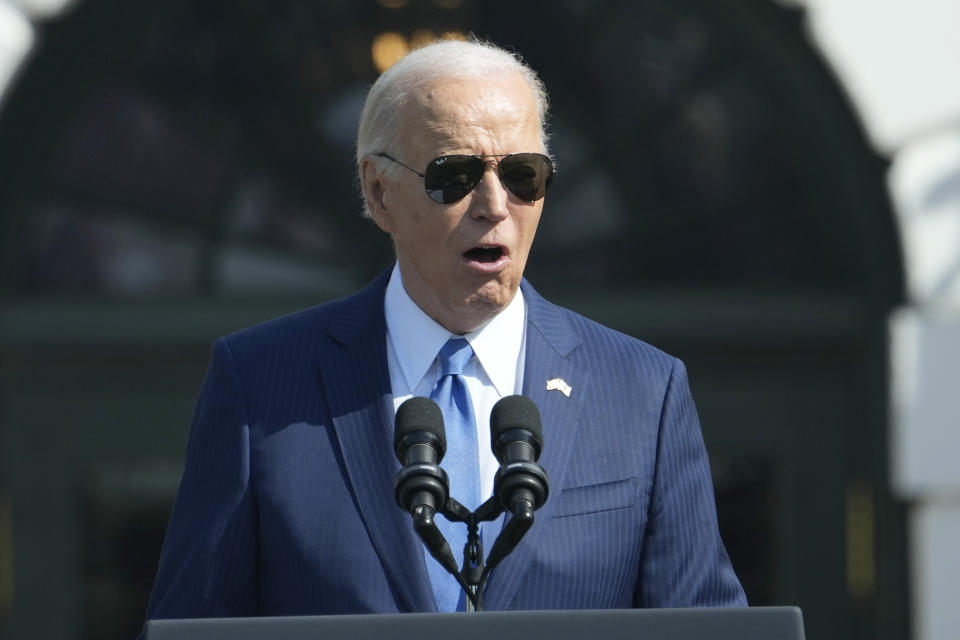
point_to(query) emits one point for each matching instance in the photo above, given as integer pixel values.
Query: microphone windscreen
(418, 414)
(515, 412)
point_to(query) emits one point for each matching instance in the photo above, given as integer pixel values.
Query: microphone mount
(474, 574)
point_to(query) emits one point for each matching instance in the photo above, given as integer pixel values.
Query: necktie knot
(454, 356)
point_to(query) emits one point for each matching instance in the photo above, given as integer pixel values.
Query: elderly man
(287, 500)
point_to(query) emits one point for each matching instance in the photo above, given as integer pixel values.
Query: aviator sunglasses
(448, 179)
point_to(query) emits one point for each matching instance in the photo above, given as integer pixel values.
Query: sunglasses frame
(484, 159)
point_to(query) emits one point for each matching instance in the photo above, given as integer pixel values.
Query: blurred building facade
(735, 187)
(895, 60)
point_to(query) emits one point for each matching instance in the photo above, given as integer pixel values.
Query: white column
(16, 41)
(899, 60)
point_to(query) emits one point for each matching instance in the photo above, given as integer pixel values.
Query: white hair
(459, 59)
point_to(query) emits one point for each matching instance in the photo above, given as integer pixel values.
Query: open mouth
(484, 254)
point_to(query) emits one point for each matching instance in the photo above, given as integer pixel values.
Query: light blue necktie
(461, 463)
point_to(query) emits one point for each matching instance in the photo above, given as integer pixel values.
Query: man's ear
(375, 193)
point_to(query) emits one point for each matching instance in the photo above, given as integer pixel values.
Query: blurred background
(768, 190)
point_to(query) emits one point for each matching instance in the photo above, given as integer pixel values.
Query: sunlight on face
(462, 262)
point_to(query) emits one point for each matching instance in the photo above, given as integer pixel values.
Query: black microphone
(420, 441)
(421, 486)
(521, 485)
(516, 437)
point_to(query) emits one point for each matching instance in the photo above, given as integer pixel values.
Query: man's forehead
(453, 135)
(454, 111)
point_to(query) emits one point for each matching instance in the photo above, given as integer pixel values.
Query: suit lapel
(356, 379)
(549, 341)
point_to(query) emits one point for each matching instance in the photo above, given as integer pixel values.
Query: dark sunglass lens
(527, 175)
(450, 178)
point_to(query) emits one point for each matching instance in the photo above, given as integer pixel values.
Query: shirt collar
(417, 338)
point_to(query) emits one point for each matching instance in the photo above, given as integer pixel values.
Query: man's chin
(489, 300)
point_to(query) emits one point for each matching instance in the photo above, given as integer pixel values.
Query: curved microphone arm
(471, 574)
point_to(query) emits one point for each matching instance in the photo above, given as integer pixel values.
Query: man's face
(461, 262)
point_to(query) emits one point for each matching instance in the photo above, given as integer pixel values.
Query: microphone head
(515, 412)
(419, 420)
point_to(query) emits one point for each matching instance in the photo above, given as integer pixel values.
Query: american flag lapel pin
(559, 384)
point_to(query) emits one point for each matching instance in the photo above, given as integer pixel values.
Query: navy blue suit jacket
(286, 505)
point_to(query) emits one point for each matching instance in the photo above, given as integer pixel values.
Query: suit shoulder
(611, 347)
(292, 333)
(343, 316)
(299, 321)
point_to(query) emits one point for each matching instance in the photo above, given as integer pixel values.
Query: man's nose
(490, 196)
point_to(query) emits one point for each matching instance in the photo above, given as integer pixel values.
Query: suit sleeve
(208, 567)
(683, 560)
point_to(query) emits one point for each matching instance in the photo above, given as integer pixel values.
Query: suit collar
(550, 321)
(357, 314)
(551, 342)
(356, 379)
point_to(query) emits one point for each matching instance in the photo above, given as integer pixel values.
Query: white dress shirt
(413, 341)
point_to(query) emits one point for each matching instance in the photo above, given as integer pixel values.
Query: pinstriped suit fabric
(286, 504)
